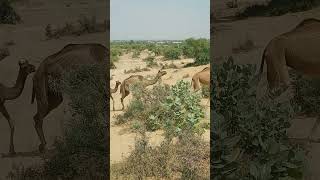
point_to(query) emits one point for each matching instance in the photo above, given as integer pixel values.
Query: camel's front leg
(11, 124)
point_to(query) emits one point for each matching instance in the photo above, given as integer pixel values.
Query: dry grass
(137, 69)
(187, 158)
(83, 26)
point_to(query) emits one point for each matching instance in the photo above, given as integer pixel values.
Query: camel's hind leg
(126, 93)
(195, 83)
(5, 113)
(53, 102)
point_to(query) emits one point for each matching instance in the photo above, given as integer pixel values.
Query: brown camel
(10, 93)
(114, 91)
(298, 49)
(54, 65)
(202, 77)
(124, 88)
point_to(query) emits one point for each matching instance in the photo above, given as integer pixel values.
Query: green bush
(176, 110)
(279, 7)
(150, 61)
(172, 53)
(83, 151)
(249, 135)
(8, 14)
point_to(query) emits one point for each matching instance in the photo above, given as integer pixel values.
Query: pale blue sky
(159, 19)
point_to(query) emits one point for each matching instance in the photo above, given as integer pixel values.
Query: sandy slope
(261, 30)
(121, 139)
(30, 43)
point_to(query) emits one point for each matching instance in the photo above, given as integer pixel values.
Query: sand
(121, 138)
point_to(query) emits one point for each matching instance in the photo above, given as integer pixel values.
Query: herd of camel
(298, 49)
(202, 77)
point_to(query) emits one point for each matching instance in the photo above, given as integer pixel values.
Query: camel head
(26, 67)
(118, 83)
(161, 72)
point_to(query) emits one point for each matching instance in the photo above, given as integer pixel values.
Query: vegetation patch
(279, 7)
(84, 25)
(7, 14)
(249, 135)
(137, 69)
(175, 110)
(83, 150)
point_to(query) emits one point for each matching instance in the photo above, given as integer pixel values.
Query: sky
(159, 19)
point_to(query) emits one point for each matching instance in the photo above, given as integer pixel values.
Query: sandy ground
(121, 139)
(230, 34)
(30, 44)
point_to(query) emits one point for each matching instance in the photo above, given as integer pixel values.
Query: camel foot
(12, 152)
(42, 148)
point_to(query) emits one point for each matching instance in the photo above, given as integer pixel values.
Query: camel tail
(262, 62)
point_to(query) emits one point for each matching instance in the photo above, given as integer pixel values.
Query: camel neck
(152, 81)
(16, 90)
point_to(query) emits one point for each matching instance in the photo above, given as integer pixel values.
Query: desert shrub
(169, 66)
(7, 14)
(172, 53)
(189, 158)
(136, 54)
(205, 90)
(177, 111)
(306, 96)
(145, 103)
(84, 25)
(150, 61)
(82, 151)
(198, 49)
(249, 135)
(279, 7)
(137, 69)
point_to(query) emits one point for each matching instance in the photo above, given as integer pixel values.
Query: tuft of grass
(137, 69)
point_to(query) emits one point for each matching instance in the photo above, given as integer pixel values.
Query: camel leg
(126, 93)
(43, 111)
(11, 124)
(112, 102)
(195, 83)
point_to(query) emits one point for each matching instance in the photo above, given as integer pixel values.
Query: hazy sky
(159, 19)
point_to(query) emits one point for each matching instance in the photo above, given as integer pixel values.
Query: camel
(125, 85)
(297, 49)
(70, 56)
(202, 77)
(114, 91)
(10, 93)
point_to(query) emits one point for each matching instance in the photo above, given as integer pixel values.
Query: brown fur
(124, 88)
(114, 91)
(202, 77)
(10, 93)
(54, 65)
(298, 49)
